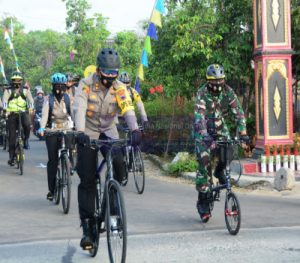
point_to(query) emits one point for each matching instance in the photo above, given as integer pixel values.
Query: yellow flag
(156, 18)
(141, 72)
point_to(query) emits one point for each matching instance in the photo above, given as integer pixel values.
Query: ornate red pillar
(273, 78)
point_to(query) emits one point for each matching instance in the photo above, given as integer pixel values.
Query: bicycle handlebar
(127, 130)
(61, 132)
(108, 142)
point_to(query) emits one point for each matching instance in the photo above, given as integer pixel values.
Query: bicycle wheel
(97, 225)
(116, 225)
(66, 183)
(232, 213)
(57, 187)
(138, 170)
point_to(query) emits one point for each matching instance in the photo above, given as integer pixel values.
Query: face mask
(215, 89)
(58, 92)
(16, 85)
(40, 96)
(107, 81)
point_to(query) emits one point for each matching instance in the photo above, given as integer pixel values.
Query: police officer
(214, 99)
(134, 95)
(16, 100)
(56, 116)
(98, 99)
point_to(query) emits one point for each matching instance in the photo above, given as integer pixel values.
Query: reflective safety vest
(16, 103)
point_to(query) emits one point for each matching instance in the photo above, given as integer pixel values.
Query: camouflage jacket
(211, 112)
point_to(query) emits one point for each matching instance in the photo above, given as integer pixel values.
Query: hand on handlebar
(209, 141)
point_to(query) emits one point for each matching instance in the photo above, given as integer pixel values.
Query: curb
(244, 181)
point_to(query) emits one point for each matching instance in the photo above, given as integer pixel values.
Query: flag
(11, 28)
(156, 18)
(2, 68)
(152, 31)
(144, 59)
(147, 45)
(137, 85)
(141, 72)
(6, 37)
(160, 6)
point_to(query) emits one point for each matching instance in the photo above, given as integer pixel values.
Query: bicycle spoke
(116, 224)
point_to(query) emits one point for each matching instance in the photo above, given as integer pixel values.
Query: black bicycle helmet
(108, 58)
(124, 77)
(215, 71)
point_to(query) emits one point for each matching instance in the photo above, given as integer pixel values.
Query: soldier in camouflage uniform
(213, 101)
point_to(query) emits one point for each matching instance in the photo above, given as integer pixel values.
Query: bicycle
(110, 214)
(232, 210)
(63, 180)
(134, 162)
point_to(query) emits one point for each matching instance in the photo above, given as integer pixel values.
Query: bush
(189, 165)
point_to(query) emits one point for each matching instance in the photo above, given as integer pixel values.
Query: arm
(5, 98)
(237, 111)
(127, 109)
(29, 99)
(139, 104)
(200, 128)
(80, 106)
(45, 113)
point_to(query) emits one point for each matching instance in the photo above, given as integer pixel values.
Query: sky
(51, 14)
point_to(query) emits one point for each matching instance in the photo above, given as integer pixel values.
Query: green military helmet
(16, 76)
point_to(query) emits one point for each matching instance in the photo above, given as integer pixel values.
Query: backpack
(51, 104)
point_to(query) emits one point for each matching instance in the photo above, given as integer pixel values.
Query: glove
(136, 137)
(209, 141)
(245, 139)
(83, 139)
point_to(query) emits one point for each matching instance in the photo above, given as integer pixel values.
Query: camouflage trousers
(203, 154)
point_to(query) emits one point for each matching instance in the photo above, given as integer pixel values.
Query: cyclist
(72, 84)
(135, 96)
(98, 99)
(55, 115)
(17, 98)
(38, 106)
(214, 99)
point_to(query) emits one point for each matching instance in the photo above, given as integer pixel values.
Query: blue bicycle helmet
(58, 78)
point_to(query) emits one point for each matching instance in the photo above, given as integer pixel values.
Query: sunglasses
(110, 71)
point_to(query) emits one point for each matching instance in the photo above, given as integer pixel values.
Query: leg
(219, 171)
(25, 119)
(118, 161)
(12, 127)
(203, 154)
(52, 143)
(86, 169)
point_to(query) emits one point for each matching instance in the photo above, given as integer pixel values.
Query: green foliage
(129, 47)
(189, 165)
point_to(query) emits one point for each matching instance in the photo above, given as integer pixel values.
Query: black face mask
(215, 89)
(58, 92)
(16, 85)
(107, 81)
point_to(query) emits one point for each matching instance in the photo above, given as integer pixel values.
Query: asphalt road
(163, 225)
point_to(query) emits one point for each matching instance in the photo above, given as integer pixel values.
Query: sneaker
(204, 211)
(50, 196)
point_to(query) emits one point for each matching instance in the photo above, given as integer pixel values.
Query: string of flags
(155, 20)
(11, 47)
